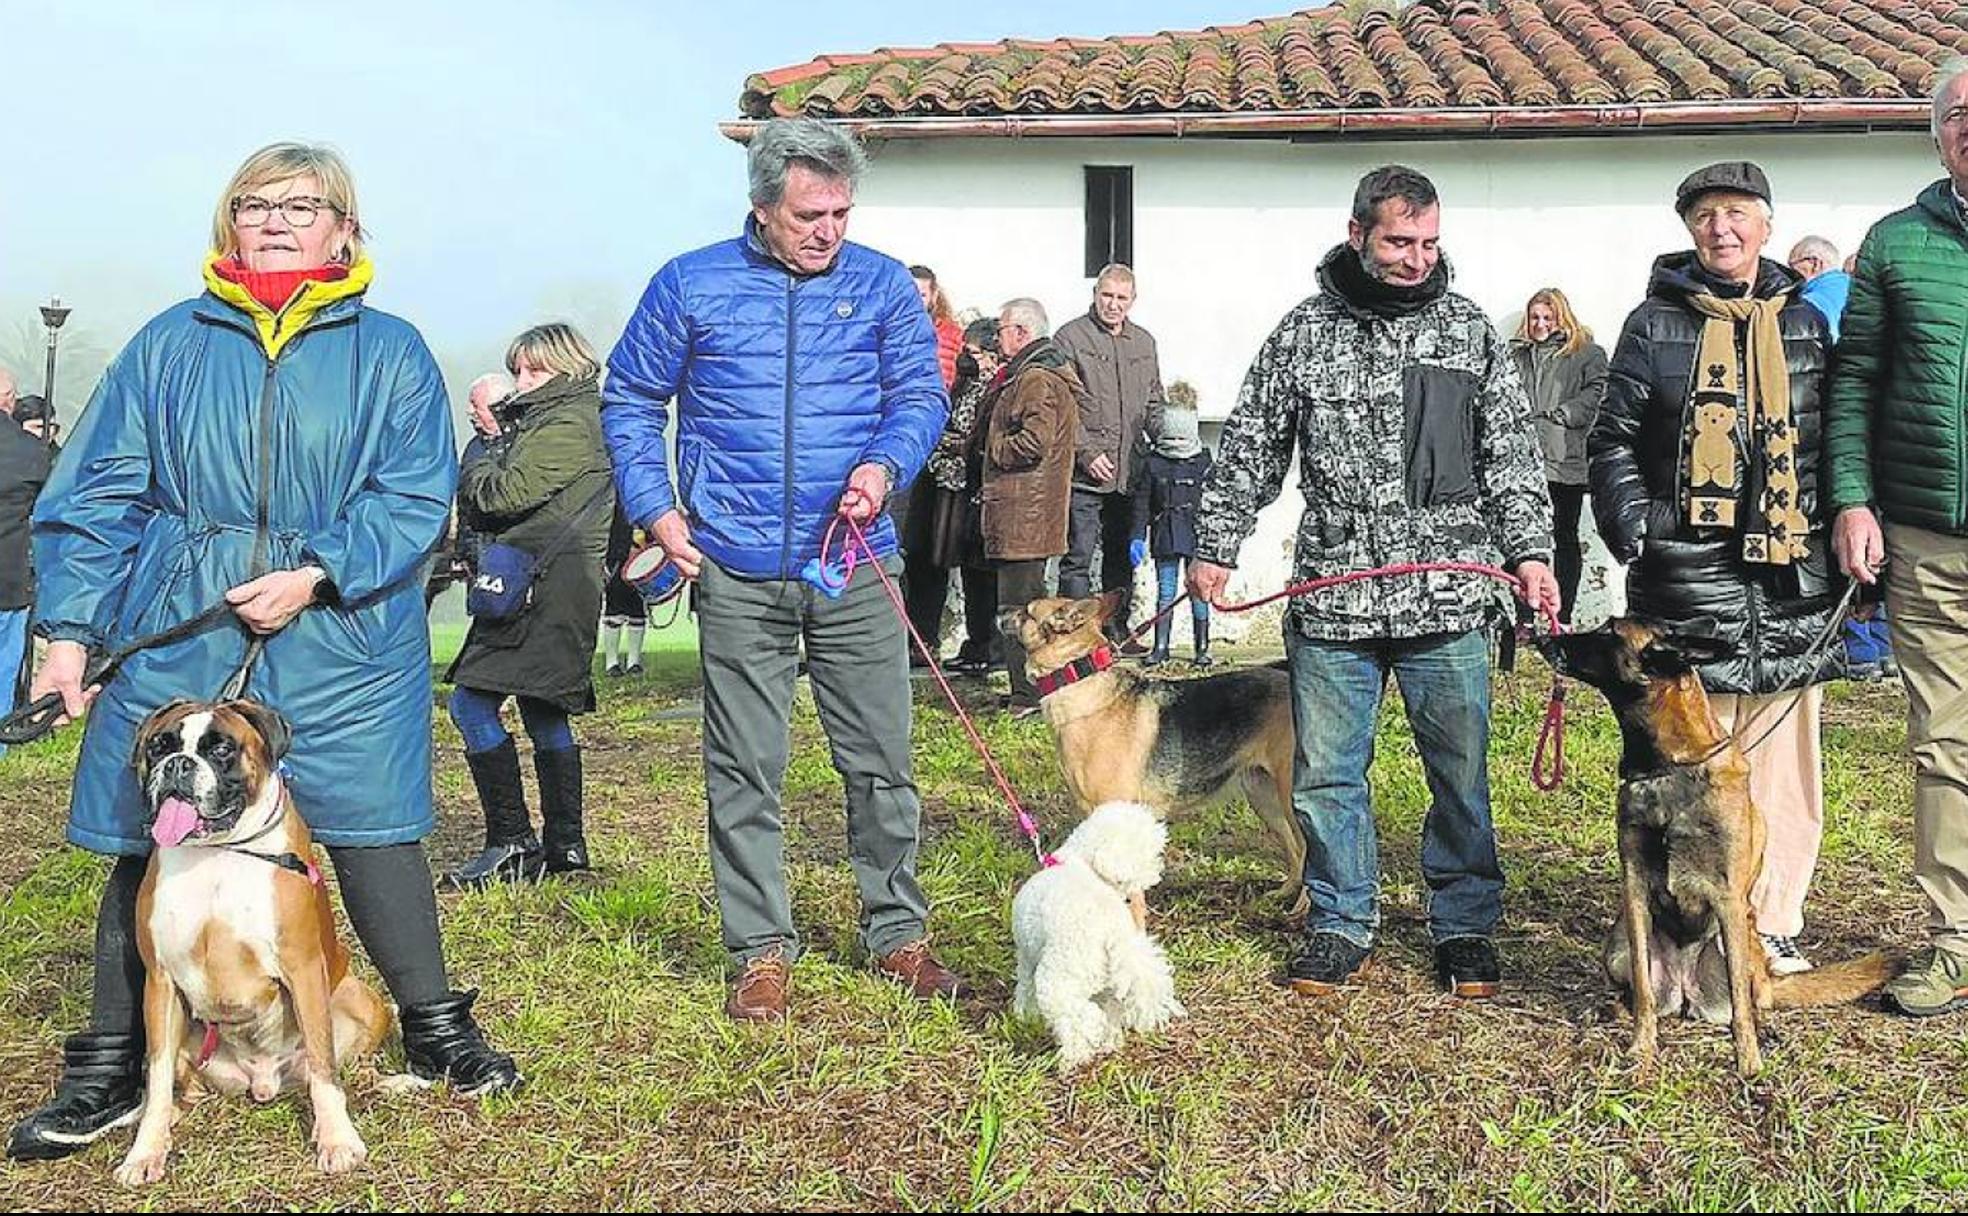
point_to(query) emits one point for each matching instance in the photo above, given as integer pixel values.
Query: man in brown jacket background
(1118, 364)
(1029, 440)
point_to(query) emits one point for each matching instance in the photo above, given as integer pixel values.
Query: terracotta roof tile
(1405, 55)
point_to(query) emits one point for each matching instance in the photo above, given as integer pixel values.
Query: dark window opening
(1109, 216)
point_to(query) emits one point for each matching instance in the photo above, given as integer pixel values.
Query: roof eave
(1606, 119)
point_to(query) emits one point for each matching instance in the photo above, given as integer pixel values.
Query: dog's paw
(1154, 1015)
(339, 1156)
(144, 1165)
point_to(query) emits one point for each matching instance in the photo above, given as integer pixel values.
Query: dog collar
(1079, 669)
(293, 863)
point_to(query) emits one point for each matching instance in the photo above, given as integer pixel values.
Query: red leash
(1551, 741)
(1548, 762)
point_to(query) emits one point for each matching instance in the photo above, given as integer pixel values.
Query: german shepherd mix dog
(1169, 744)
(1691, 847)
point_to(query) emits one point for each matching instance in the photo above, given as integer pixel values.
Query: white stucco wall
(1227, 232)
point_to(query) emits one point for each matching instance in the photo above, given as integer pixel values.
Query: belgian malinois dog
(1691, 847)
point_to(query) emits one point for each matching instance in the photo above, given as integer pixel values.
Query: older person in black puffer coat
(1705, 474)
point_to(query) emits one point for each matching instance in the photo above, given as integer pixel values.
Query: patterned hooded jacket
(1415, 444)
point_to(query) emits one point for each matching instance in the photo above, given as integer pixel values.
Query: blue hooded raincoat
(150, 516)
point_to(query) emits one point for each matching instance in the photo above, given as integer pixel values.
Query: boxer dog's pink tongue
(175, 820)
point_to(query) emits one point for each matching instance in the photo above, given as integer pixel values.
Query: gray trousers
(749, 637)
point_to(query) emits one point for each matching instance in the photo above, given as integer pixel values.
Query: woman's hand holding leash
(61, 671)
(1538, 588)
(268, 603)
(672, 532)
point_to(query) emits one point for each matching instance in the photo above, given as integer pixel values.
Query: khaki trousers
(1927, 614)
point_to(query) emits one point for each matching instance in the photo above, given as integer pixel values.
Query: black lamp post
(52, 316)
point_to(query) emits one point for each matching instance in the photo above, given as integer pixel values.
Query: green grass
(643, 1096)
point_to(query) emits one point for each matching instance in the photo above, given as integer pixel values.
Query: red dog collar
(1079, 669)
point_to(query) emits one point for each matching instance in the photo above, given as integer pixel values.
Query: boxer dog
(248, 989)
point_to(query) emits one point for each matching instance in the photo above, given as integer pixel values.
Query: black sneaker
(101, 1089)
(1324, 963)
(519, 862)
(1467, 967)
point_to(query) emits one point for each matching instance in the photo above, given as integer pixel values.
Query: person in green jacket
(1897, 445)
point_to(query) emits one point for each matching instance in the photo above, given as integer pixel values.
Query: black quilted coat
(1691, 577)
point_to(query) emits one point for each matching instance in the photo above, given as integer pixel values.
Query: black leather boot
(560, 808)
(101, 1088)
(1202, 643)
(1160, 654)
(441, 1042)
(512, 851)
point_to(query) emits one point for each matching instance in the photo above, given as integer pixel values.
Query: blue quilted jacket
(783, 384)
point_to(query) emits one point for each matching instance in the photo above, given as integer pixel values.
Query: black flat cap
(1736, 176)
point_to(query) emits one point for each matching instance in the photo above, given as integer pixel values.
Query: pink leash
(851, 557)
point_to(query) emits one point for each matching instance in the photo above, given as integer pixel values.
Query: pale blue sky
(515, 160)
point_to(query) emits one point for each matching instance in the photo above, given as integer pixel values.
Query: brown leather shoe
(759, 992)
(915, 969)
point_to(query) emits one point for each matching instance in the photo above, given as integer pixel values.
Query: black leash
(1817, 653)
(291, 862)
(37, 720)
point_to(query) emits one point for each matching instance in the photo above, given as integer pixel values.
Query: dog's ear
(149, 728)
(1123, 843)
(1110, 604)
(268, 722)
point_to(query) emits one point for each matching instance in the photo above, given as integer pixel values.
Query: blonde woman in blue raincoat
(277, 443)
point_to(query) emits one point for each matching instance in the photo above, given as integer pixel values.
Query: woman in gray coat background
(1564, 375)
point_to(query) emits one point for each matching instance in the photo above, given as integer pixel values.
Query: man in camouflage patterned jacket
(1415, 445)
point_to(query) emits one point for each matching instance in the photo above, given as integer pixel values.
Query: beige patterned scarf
(1778, 532)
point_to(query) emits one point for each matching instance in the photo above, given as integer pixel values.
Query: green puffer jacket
(1896, 437)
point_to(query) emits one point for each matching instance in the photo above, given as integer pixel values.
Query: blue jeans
(477, 716)
(1168, 585)
(1336, 691)
(13, 644)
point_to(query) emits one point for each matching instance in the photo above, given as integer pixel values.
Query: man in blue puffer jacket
(804, 374)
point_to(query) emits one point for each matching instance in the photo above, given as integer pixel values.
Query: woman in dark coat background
(1708, 487)
(545, 489)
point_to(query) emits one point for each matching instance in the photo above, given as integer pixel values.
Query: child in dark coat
(1177, 462)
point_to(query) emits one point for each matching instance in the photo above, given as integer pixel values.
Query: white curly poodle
(1084, 964)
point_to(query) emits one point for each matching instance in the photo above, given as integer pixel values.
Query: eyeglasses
(299, 210)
